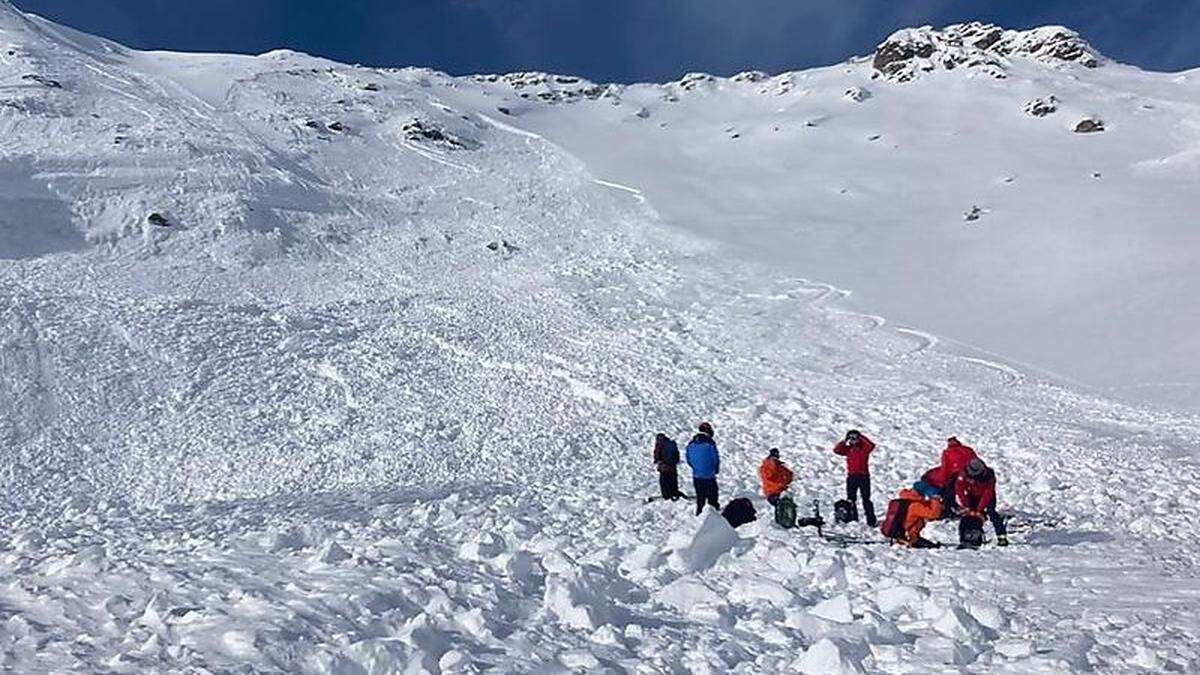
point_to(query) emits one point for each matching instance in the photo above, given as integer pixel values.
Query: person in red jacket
(956, 455)
(857, 448)
(975, 492)
(955, 458)
(775, 476)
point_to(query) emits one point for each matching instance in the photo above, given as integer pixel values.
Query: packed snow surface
(311, 368)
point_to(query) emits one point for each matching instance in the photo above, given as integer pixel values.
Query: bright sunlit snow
(312, 368)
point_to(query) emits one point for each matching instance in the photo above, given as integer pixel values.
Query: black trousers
(706, 493)
(861, 484)
(668, 484)
(997, 520)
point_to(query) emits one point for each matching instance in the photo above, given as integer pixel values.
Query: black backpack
(970, 532)
(671, 452)
(844, 511)
(739, 512)
(785, 513)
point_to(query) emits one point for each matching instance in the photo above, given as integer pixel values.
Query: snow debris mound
(979, 46)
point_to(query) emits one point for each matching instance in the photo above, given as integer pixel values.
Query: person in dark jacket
(705, 461)
(857, 448)
(975, 492)
(666, 460)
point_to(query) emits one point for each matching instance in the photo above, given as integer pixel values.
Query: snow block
(331, 553)
(945, 651)
(752, 589)
(714, 538)
(960, 626)
(690, 596)
(830, 657)
(896, 598)
(835, 609)
(573, 603)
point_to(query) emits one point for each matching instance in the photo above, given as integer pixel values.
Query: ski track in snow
(637, 194)
(374, 405)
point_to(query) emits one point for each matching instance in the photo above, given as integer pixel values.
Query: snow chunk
(750, 589)
(835, 609)
(714, 538)
(331, 553)
(689, 595)
(1013, 648)
(482, 546)
(830, 657)
(944, 650)
(957, 624)
(890, 600)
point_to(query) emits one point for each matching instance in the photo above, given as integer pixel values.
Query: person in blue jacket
(705, 461)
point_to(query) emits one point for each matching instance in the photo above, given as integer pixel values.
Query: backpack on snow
(893, 522)
(739, 512)
(970, 532)
(844, 511)
(785, 512)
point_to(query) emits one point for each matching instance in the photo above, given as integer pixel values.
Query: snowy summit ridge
(909, 52)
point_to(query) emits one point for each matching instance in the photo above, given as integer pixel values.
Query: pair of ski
(836, 538)
(660, 498)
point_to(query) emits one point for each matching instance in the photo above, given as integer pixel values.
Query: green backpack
(785, 512)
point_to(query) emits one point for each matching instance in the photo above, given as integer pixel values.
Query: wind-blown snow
(374, 390)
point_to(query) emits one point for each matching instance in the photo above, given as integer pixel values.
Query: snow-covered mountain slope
(920, 179)
(315, 368)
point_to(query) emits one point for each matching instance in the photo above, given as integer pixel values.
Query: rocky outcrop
(750, 76)
(693, 81)
(1089, 125)
(857, 94)
(984, 47)
(551, 88)
(1042, 106)
(422, 131)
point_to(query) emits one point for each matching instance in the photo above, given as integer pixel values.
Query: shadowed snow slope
(313, 368)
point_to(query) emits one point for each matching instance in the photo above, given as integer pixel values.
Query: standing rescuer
(705, 461)
(666, 460)
(857, 448)
(776, 477)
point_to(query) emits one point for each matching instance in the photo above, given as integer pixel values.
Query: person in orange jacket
(917, 511)
(775, 476)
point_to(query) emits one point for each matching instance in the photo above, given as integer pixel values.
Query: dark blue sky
(611, 40)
